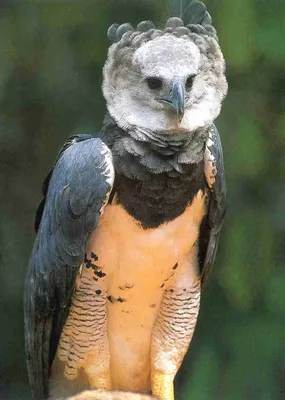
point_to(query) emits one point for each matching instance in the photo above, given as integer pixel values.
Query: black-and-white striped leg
(84, 345)
(172, 335)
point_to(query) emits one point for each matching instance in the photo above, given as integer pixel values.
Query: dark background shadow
(51, 56)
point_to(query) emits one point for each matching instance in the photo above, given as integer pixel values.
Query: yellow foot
(162, 386)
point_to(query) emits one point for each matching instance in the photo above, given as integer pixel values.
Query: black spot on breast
(120, 300)
(96, 268)
(100, 274)
(111, 299)
(89, 264)
(126, 286)
(175, 266)
(167, 279)
(98, 292)
(94, 256)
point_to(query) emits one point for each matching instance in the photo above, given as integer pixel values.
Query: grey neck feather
(138, 153)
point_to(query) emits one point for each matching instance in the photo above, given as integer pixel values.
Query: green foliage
(52, 53)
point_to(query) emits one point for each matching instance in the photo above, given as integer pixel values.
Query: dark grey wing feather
(74, 194)
(213, 221)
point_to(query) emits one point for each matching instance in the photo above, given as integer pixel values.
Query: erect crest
(191, 12)
(186, 16)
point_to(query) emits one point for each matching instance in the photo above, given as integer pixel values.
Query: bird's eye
(154, 83)
(189, 81)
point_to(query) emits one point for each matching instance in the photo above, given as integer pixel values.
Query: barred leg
(83, 349)
(172, 335)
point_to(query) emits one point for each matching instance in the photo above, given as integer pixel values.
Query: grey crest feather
(145, 26)
(191, 12)
(174, 23)
(116, 31)
(207, 19)
(122, 29)
(177, 8)
(112, 33)
(182, 13)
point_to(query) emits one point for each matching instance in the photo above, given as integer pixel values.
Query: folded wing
(213, 221)
(75, 192)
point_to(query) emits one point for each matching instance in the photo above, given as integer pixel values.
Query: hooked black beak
(176, 100)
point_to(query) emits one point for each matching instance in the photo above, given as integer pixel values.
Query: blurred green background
(51, 56)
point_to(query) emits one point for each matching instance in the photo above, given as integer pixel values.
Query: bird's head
(167, 81)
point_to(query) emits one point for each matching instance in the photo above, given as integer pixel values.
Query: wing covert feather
(75, 192)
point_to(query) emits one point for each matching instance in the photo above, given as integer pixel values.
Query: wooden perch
(103, 395)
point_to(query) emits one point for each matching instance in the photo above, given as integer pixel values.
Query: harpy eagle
(129, 224)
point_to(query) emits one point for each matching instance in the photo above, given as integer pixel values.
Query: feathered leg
(173, 331)
(83, 350)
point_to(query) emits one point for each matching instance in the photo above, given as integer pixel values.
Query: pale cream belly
(135, 267)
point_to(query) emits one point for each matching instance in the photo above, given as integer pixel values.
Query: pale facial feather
(132, 104)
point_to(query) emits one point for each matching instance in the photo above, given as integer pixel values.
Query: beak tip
(180, 114)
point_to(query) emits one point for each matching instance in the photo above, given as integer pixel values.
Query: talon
(162, 386)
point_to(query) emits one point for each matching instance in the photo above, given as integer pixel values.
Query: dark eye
(189, 81)
(154, 83)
